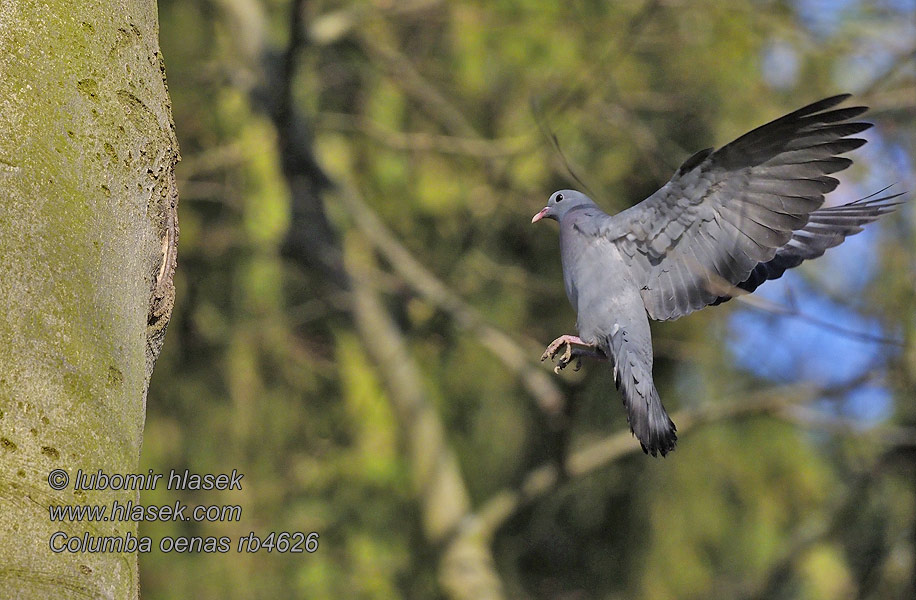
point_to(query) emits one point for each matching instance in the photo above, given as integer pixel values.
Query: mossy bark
(87, 248)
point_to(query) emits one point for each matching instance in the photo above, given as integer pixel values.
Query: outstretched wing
(727, 211)
(826, 228)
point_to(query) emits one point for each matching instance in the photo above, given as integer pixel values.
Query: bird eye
(559, 197)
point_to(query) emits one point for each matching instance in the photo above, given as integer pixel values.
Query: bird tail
(650, 422)
(646, 415)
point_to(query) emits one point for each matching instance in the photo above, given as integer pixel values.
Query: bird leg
(585, 350)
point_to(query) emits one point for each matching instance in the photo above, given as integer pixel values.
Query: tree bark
(88, 232)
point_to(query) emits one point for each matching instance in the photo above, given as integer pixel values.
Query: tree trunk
(87, 250)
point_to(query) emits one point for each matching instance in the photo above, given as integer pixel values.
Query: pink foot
(554, 347)
(585, 350)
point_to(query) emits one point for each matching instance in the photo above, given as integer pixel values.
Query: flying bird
(727, 221)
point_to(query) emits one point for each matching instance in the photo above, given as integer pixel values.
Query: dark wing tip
(837, 98)
(823, 104)
(836, 115)
(882, 202)
(814, 108)
(852, 112)
(808, 126)
(850, 144)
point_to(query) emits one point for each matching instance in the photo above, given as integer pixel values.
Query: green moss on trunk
(87, 151)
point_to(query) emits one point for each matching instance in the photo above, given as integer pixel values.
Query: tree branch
(534, 379)
(813, 532)
(466, 567)
(467, 570)
(424, 142)
(403, 73)
(544, 479)
(724, 288)
(775, 308)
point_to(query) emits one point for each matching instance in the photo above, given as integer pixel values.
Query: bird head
(560, 203)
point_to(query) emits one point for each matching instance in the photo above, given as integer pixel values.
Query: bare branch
(621, 46)
(775, 308)
(513, 356)
(404, 74)
(333, 26)
(816, 530)
(722, 287)
(900, 63)
(467, 568)
(544, 479)
(424, 142)
(893, 435)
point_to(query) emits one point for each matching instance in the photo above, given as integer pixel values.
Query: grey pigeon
(727, 221)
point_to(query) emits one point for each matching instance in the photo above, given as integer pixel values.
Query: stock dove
(727, 221)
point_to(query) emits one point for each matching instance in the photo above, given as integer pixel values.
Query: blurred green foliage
(439, 115)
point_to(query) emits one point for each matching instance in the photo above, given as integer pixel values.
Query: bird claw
(564, 362)
(565, 358)
(561, 364)
(570, 352)
(554, 348)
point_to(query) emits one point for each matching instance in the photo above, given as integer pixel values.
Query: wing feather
(826, 228)
(727, 212)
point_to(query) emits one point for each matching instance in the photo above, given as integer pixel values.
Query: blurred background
(362, 303)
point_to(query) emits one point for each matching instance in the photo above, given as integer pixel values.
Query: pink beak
(540, 215)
